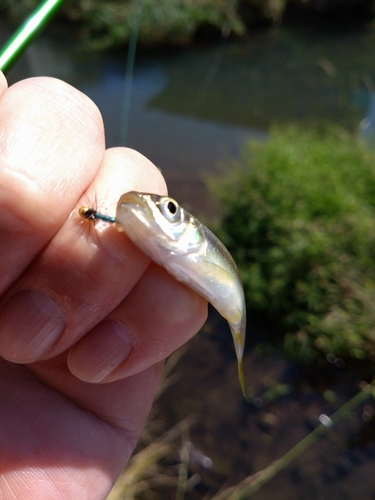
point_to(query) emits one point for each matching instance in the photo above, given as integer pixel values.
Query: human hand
(85, 319)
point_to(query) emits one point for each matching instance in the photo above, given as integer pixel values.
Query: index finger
(51, 146)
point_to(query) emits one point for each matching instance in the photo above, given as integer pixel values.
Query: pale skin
(85, 319)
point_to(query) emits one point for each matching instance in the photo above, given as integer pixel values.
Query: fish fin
(238, 337)
(241, 378)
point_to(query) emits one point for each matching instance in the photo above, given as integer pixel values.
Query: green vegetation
(109, 23)
(106, 24)
(298, 216)
(162, 21)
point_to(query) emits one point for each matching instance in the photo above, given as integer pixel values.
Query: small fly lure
(93, 215)
(188, 250)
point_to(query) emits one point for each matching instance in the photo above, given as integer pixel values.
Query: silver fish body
(190, 252)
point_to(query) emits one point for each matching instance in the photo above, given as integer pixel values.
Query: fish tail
(238, 337)
(241, 378)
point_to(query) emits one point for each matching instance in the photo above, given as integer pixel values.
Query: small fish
(176, 240)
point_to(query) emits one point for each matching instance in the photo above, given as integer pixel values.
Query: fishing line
(124, 123)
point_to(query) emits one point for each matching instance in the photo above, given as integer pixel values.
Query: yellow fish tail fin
(238, 337)
(241, 378)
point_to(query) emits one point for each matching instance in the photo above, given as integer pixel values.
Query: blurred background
(261, 116)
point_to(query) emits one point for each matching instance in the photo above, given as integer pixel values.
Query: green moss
(298, 216)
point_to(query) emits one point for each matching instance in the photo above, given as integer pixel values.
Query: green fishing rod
(19, 42)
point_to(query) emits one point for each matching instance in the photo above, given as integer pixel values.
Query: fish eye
(170, 209)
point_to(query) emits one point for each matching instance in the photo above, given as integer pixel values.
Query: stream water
(190, 108)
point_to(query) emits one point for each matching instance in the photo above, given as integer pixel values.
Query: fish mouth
(133, 205)
(134, 200)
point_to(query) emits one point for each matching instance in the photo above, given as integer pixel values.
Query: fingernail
(101, 351)
(30, 323)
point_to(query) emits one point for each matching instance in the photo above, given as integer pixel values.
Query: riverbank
(102, 25)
